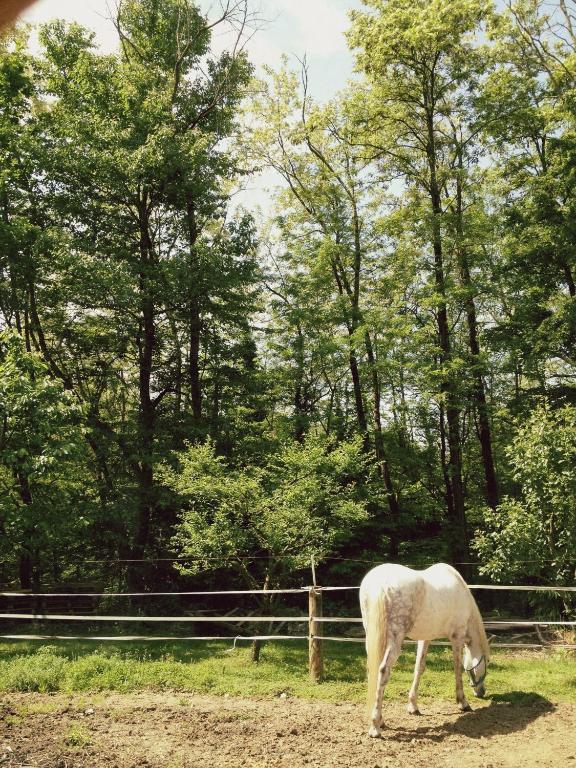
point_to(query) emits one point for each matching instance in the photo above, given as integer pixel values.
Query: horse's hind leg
(393, 649)
(418, 670)
(457, 647)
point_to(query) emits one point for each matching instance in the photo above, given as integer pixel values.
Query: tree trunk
(26, 556)
(179, 371)
(25, 569)
(265, 607)
(569, 277)
(456, 530)
(194, 359)
(195, 319)
(352, 292)
(381, 459)
(479, 391)
(146, 408)
(357, 389)
(300, 411)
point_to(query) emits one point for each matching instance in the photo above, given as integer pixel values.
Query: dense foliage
(384, 369)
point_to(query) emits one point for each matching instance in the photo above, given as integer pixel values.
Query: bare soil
(156, 730)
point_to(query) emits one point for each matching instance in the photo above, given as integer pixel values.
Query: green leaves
(41, 449)
(147, 34)
(533, 536)
(39, 417)
(427, 25)
(300, 504)
(415, 287)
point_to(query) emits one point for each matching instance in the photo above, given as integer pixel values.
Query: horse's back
(388, 578)
(391, 576)
(427, 604)
(442, 575)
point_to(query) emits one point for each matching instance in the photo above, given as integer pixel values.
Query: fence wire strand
(40, 616)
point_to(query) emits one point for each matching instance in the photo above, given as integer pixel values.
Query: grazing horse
(398, 602)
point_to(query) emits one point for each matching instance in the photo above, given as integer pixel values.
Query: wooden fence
(314, 620)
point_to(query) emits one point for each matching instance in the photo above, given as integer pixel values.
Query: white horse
(398, 602)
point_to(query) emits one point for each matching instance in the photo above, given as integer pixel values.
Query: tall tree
(528, 103)
(148, 126)
(329, 190)
(420, 60)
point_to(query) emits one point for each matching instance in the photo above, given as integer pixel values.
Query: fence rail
(314, 619)
(143, 619)
(293, 591)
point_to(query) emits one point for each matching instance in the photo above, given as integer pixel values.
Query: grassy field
(217, 668)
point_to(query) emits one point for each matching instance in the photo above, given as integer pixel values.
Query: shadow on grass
(151, 651)
(506, 713)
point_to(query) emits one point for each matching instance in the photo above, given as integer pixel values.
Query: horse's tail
(374, 614)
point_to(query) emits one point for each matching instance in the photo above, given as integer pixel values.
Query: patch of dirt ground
(155, 730)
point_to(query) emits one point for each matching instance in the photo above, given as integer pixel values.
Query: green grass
(78, 736)
(218, 669)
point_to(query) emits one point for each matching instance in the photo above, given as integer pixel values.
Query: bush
(43, 672)
(533, 536)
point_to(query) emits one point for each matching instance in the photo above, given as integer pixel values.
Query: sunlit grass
(78, 736)
(218, 668)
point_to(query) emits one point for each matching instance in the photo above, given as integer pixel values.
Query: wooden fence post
(315, 658)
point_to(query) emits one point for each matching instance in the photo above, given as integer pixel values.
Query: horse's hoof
(465, 708)
(374, 732)
(413, 710)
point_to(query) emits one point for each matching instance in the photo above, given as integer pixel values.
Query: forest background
(383, 368)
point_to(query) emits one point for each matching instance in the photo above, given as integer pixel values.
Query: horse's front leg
(418, 670)
(393, 650)
(457, 647)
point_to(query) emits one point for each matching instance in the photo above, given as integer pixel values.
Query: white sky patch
(93, 14)
(320, 24)
(314, 28)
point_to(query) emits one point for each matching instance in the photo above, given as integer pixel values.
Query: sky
(314, 28)
(296, 28)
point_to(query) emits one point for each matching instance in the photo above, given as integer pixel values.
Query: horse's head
(476, 666)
